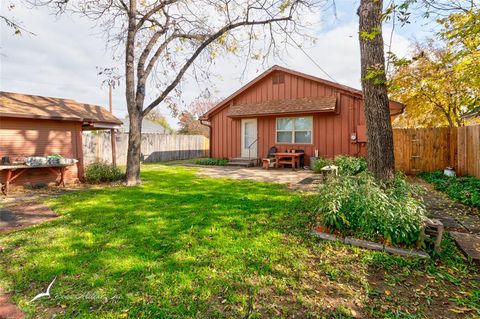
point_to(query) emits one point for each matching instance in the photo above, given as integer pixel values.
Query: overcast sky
(61, 59)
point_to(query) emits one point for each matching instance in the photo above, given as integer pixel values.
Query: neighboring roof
(147, 127)
(301, 105)
(43, 107)
(396, 108)
(344, 88)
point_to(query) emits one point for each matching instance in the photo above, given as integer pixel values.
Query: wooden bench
(288, 158)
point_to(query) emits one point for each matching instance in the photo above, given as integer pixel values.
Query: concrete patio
(295, 179)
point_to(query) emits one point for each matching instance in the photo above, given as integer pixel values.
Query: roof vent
(278, 77)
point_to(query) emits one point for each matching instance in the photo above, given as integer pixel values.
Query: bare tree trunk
(134, 149)
(374, 84)
(134, 112)
(449, 119)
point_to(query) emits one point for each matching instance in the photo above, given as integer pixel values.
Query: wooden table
(288, 158)
(15, 170)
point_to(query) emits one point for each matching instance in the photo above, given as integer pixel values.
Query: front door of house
(249, 138)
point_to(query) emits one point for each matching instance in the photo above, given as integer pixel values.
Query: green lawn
(182, 246)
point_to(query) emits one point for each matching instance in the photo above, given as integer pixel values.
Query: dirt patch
(22, 195)
(7, 309)
(414, 293)
(18, 217)
(317, 292)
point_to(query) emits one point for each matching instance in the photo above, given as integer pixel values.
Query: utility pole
(112, 131)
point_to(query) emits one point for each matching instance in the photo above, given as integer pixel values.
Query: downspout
(209, 125)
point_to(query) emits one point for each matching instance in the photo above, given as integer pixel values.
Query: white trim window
(294, 130)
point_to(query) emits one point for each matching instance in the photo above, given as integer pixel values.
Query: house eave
(280, 114)
(40, 117)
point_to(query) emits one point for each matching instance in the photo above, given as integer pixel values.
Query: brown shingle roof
(43, 107)
(302, 105)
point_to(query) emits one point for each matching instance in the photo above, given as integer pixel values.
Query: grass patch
(181, 162)
(182, 246)
(464, 189)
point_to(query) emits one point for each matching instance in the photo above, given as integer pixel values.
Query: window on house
(294, 130)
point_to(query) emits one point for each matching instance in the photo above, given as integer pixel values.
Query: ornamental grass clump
(359, 206)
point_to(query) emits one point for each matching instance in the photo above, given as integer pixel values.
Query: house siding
(331, 131)
(20, 138)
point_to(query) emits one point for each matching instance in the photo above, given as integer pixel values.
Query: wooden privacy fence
(428, 149)
(155, 147)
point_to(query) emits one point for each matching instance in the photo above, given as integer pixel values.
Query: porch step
(243, 161)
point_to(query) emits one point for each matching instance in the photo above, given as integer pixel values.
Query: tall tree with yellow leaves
(442, 81)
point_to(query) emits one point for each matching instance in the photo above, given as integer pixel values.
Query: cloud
(61, 60)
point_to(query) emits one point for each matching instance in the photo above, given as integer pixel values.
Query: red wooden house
(33, 125)
(289, 110)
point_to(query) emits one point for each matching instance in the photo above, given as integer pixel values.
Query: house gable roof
(274, 68)
(42, 107)
(395, 107)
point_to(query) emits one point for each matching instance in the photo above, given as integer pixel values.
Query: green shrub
(465, 189)
(212, 161)
(358, 205)
(101, 172)
(350, 165)
(321, 162)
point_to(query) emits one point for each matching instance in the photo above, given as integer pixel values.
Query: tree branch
(157, 54)
(17, 28)
(154, 10)
(199, 50)
(148, 48)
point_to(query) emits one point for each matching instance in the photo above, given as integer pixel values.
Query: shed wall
(20, 138)
(331, 131)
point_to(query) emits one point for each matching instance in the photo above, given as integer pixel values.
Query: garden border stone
(371, 245)
(406, 252)
(326, 236)
(363, 243)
